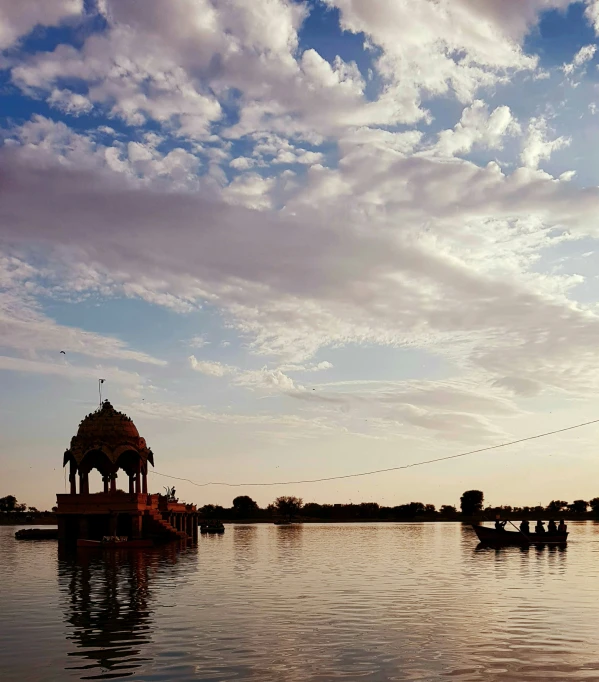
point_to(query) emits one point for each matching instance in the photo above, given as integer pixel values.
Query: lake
(304, 602)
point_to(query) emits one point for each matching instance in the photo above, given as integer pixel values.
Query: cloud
(536, 146)
(585, 54)
(112, 374)
(213, 369)
(17, 19)
(477, 127)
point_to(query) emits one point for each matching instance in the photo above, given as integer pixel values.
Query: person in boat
(525, 527)
(540, 528)
(551, 527)
(499, 524)
(562, 528)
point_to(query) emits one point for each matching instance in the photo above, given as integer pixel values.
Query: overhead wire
(381, 471)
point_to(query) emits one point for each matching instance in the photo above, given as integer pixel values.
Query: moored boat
(37, 534)
(115, 542)
(212, 527)
(491, 536)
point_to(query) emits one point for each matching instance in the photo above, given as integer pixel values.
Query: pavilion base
(135, 516)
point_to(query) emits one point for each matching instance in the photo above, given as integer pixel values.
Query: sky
(301, 240)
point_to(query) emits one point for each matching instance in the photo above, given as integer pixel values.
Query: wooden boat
(115, 542)
(212, 527)
(491, 536)
(37, 534)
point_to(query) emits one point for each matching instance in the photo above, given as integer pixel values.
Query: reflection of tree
(108, 610)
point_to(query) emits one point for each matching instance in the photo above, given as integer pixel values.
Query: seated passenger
(500, 525)
(525, 527)
(562, 528)
(540, 527)
(551, 527)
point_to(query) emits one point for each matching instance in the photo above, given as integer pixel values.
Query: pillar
(83, 483)
(83, 528)
(144, 481)
(138, 478)
(113, 482)
(136, 526)
(72, 478)
(131, 484)
(105, 480)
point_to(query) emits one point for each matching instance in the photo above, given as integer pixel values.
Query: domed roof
(107, 423)
(110, 431)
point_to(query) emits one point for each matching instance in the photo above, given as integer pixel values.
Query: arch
(95, 458)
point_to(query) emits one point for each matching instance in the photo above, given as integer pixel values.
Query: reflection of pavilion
(108, 609)
(108, 441)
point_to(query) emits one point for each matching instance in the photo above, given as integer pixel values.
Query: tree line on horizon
(471, 506)
(288, 507)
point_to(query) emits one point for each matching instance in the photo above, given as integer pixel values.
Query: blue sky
(301, 239)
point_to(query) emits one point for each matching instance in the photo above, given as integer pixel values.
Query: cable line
(382, 471)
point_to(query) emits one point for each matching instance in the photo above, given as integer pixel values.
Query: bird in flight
(63, 352)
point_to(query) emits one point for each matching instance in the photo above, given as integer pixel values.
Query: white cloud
(18, 18)
(112, 374)
(537, 147)
(213, 369)
(585, 54)
(477, 127)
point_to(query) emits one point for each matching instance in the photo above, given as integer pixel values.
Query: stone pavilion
(109, 442)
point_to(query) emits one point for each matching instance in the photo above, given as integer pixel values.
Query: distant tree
(288, 505)
(430, 509)
(54, 509)
(33, 510)
(471, 502)
(556, 506)
(448, 510)
(8, 503)
(244, 506)
(595, 505)
(578, 507)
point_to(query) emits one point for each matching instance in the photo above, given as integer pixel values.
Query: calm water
(313, 602)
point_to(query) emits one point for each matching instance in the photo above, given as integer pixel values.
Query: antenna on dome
(100, 382)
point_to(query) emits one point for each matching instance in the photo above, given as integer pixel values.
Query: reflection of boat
(212, 527)
(114, 541)
(491, 536)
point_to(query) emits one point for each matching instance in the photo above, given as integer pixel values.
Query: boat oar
(521, 531)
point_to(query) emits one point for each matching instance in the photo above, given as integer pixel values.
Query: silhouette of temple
(109, 442)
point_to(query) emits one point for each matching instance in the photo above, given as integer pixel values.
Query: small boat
(115, 542)
(491, 536)
(37, 534)
(212, 527)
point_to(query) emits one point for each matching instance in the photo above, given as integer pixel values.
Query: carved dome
(109, 431)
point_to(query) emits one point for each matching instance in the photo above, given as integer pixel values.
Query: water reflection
(108, 609)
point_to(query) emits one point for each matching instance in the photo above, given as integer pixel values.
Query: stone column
(105, 479)
(72, 478)
(144, 481)
(131, 484)
(83, 528)
(138, 478)
(83, 483)
(136, 526)
(113, 482)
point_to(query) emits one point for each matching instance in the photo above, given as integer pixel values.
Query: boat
(491, 536)
(212, 527)
(37, 534)
(115, 542)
